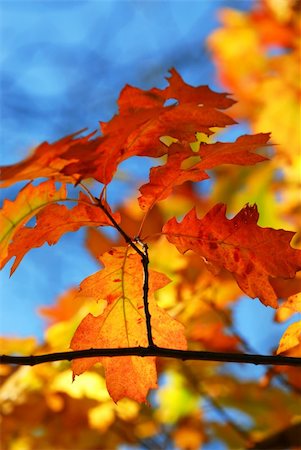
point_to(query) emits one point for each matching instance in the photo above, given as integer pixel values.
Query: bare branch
(153, 351)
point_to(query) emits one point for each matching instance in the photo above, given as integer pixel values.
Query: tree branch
(153, 351)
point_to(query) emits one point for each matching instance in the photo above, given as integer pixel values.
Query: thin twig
(126, 237)
(145, 262)
(153, 351)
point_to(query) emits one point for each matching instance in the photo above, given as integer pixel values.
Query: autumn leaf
(201, 95)
(164, 178)
(48, 160)
(240, 246)
(142, 119)
(54, 221)
(133, 99)
(240, 152)
(291, 340)
(30, 200)
(122, 324)
(138, 134)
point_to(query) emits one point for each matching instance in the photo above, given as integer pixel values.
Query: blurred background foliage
(64, 64)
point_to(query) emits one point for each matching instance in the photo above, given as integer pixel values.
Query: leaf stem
(145, 263)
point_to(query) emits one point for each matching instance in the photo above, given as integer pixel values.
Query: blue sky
(63, 64)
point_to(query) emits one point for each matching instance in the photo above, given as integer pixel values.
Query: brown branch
(153, 351)
(125, 236)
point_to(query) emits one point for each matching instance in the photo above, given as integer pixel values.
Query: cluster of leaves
(211, 260)
(266, 85)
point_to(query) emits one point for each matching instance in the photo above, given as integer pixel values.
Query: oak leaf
(142, 119)
(138, 134)
(122, 324)
(54, 221)
(29, 202)
(201, 95)
(48, 160)
(164, 178)
(240, 246)
(240, 152)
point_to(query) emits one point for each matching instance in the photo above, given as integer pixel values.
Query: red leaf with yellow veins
(240, 246)
(122, 324)
(29, 202)
(54, 221)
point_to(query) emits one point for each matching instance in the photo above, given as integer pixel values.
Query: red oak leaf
(240, 152)
(142, 119)
(164, 178)
(48, 160)
(200, 95)
(240, 246)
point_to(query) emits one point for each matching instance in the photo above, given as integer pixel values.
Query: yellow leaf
(291, 338)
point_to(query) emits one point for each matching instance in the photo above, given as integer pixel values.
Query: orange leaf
(138, 134)
(14, 214)
(48, 160)
(122, 324)
(52, 222)
(240, 246)
(135, 131)
(141, 121)
(163, 179)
